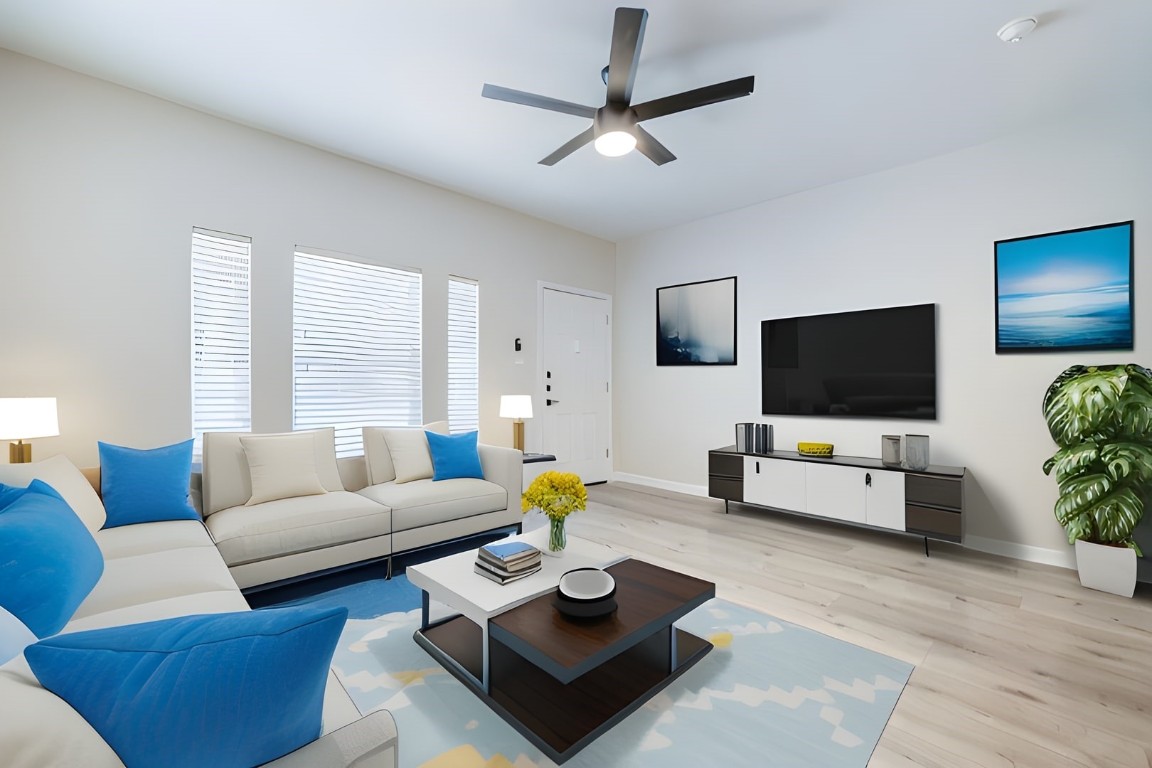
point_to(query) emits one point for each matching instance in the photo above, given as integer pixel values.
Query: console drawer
(934, 491)
(726, 464)
(933, 523)
(726, 488)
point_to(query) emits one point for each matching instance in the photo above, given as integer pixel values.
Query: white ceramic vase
(1105, 568)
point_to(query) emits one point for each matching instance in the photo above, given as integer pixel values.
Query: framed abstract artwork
(696, 323)
(1063, 291)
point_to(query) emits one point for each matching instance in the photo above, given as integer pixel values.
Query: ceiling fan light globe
(615, 143)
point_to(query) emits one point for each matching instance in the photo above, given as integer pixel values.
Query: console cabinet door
(775, 483)
(836, 491)
(885, 500)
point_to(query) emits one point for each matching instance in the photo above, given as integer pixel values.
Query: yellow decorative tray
(814, 449)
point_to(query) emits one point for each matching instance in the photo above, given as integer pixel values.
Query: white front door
(573, 382)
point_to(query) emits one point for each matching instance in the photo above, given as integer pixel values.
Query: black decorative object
(586, 593)
(873, 363)
(696, 323)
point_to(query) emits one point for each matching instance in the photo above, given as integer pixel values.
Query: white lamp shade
(515, 406)
(23, 418)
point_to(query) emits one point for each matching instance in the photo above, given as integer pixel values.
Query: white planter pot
(1108, 569)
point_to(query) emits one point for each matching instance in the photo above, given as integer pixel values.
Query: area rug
(770, 694)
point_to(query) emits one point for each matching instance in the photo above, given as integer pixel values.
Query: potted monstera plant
(1101, 417)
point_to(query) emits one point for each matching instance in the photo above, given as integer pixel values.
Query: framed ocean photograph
(696, 323)
(1063, 291)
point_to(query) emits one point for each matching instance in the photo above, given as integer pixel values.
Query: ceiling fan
(616, 125)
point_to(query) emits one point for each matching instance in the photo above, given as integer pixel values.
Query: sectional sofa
(152, 571)
(266, 508)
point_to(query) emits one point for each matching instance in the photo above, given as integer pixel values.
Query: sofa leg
(388, 571)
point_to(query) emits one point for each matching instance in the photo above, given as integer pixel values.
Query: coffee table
(561, 682)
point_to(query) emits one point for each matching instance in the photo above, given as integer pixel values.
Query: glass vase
(557, 538)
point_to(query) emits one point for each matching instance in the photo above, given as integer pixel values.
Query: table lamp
(517, 408)
(23, 418)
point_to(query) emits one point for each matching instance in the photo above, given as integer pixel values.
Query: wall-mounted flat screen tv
(873, 363)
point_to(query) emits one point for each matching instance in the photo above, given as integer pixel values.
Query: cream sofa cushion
(69, 482)
(219, 601)
(287, 526)
(143, 538)
(38, 728)
(426, 502)
(227, 481)
(153, 576)
(378, 452)
(281, 466)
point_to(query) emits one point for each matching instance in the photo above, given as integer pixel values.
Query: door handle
(551, 402)
(867, 478)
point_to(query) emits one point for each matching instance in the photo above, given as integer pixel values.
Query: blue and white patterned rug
(770, 694)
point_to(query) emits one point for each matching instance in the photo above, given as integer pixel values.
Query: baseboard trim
(666, 485)
(1062, 558)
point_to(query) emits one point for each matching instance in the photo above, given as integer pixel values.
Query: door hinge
(605, 453)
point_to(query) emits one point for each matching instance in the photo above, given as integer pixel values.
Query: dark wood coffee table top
(649, 598)
(562, 682)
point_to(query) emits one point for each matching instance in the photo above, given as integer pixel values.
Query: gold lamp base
(19, 452)
(518, 435)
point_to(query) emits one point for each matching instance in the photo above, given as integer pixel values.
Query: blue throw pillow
(49, 562)
(14, 636)
(145, 486)
(229, 689)
(454, 456)
(10, 493)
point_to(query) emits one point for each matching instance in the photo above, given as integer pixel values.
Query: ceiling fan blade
(699, 97)
(569, 148)
(652, 149)
(627, 37)
(533, 100)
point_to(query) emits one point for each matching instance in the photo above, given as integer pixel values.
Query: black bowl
(586, 585)
(585, 610)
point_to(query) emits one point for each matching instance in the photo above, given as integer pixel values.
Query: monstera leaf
(1080, 494)
(1069, 462)
(1127, 460)
(1134, 421)
(1101, 417)
(1082, 403)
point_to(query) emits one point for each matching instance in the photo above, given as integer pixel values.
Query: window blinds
(463, 354)
(356, 347)
(221, 349)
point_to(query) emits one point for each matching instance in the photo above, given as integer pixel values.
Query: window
(221, 349)
(463, 354)
(355, 348)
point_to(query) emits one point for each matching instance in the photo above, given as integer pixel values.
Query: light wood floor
(1016, 663)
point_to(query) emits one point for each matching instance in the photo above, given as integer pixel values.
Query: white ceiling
(843, 87)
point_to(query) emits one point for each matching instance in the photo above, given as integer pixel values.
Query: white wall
(100, 187)
(917, 234)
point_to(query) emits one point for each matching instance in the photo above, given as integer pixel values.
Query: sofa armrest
(370, 742)
(505, 467)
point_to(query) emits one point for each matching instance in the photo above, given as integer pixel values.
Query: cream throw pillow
(409, 452)
(281, 467)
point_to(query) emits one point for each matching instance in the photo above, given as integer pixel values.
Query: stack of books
(507, 561)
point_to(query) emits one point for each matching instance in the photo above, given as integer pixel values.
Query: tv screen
(875, 363)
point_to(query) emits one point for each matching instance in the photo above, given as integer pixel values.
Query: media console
(928, 502)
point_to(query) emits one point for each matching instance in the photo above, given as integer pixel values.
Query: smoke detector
(1014, 31)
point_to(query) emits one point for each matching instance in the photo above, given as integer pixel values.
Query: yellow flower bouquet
(557, 495)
